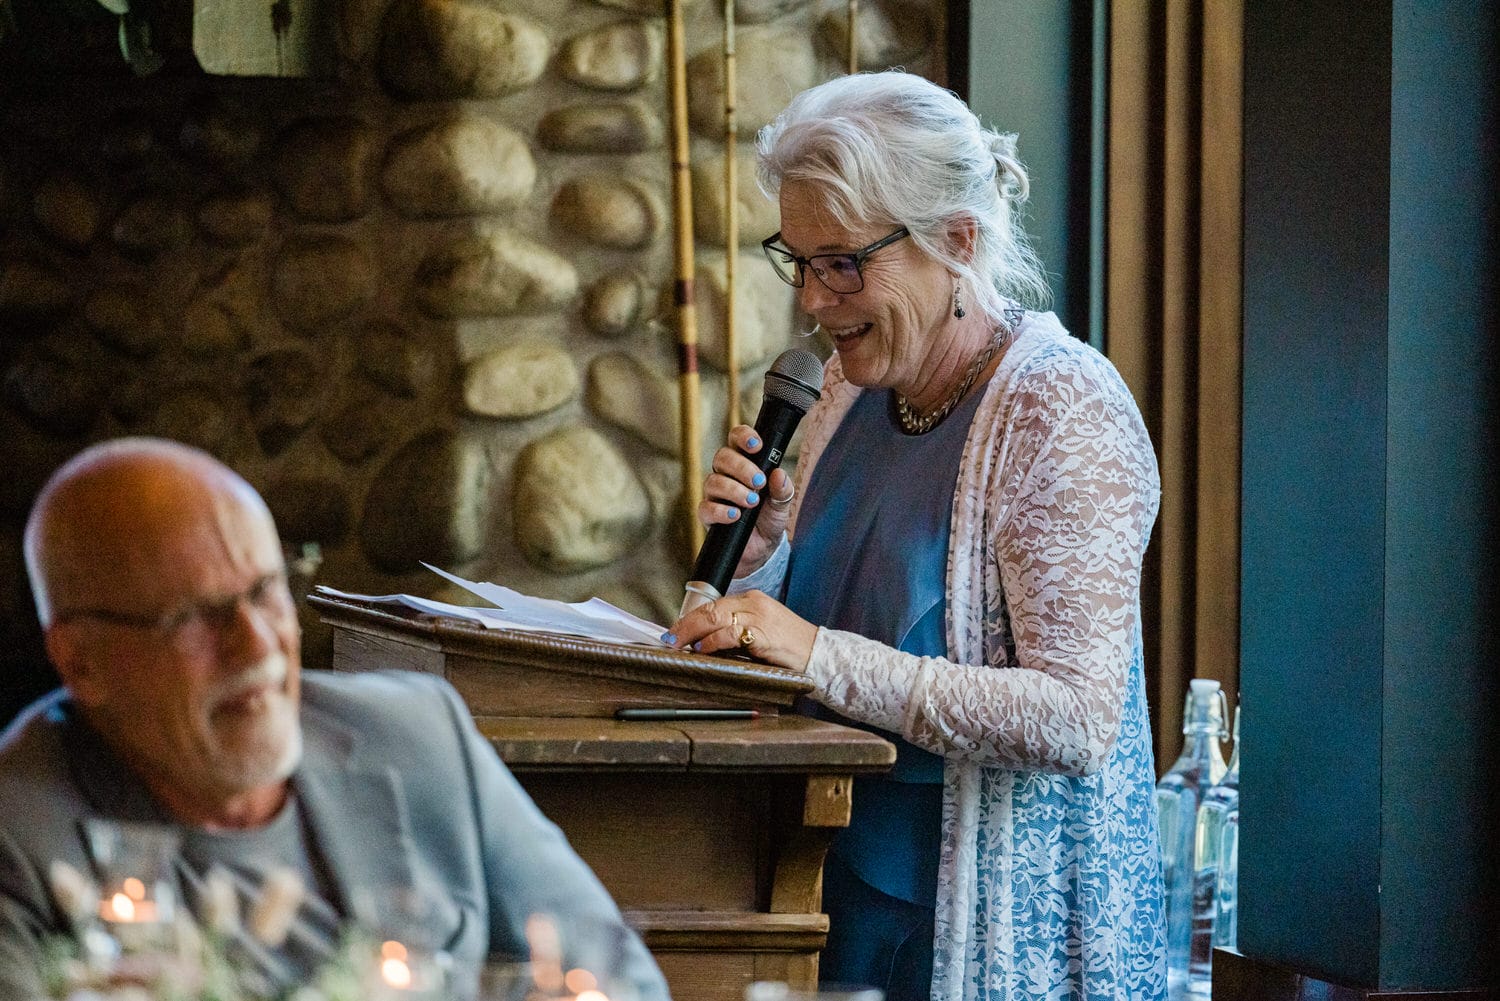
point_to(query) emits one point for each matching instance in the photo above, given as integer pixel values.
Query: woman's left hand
(759, 625)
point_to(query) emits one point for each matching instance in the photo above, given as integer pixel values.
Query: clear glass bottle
(1177, 797)
(1216, 856)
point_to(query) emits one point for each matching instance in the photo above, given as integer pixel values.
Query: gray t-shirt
(249, 857)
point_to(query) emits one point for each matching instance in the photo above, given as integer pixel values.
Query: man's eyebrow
(263, 580)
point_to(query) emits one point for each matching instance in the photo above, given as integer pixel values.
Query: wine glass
(507, 979)
(410, 961)
(580, 960)
(773, 990)
(137, 892)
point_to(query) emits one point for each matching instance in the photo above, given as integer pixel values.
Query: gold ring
(734, 620)
(747, 637)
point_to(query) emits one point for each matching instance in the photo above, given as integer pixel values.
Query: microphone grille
(795, 377)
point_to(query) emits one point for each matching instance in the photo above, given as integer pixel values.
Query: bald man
(161, 587)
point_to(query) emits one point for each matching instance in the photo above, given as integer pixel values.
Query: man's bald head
(161, 587)
(115, 505)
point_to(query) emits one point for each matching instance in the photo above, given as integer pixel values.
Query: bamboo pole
(853, 36)
(731, 223)
(687, 324)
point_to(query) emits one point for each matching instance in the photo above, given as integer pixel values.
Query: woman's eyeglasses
(839, 273)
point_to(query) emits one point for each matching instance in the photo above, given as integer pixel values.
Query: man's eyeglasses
(197, 620)
(839, 273)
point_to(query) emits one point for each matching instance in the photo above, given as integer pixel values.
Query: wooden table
(711, 835)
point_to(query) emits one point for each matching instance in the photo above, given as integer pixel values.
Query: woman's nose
(814, 295)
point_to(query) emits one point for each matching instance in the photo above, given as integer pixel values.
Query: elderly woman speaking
(958, 566)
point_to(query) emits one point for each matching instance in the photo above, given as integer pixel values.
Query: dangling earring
(958, 306)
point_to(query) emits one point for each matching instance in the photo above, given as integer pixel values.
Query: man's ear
(963, 236)
(69, 653)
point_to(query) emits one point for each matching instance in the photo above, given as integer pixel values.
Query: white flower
(100, 950)
(220, 903)
(271, 917)
(188, 937)
(546, 952)
(74, 892)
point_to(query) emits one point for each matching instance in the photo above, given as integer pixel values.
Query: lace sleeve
(1067, 512)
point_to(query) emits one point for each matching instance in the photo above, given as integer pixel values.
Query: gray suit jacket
(398, 788)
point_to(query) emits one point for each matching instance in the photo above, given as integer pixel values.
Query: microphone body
(725, 544)
(792, 386)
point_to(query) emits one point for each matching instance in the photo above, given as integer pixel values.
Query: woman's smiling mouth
(846, 336)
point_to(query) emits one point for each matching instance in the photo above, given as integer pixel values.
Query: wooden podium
(710, 834)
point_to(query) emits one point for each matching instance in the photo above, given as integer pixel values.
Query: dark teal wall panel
(1371, 475)
(1440, 660)
(1030, 72)
(1313, 538)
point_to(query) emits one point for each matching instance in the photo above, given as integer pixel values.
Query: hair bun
(1010, 176)
(1003, 144)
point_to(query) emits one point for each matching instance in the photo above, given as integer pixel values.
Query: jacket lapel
(357, 816)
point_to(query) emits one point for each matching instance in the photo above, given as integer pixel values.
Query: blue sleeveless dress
(870, 557)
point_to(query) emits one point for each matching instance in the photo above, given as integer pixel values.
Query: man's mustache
(269, 673)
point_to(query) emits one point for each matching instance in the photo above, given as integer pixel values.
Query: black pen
(645, 715)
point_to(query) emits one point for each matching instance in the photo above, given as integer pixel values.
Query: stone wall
(422, 308)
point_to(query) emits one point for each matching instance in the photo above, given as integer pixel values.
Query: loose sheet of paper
(594, 619)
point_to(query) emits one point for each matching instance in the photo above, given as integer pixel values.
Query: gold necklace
(913, 423)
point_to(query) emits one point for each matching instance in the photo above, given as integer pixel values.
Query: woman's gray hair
(894, 147)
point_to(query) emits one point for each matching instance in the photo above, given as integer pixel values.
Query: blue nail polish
(734, 513)
(758, 480)
(754, 442)
(752, 499)
(669, 639)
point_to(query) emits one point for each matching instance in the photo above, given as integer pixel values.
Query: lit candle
(394, 968)
(120, 908)
(396, 973)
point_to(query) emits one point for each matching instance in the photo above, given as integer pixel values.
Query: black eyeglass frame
(215, 613)
(804, 264)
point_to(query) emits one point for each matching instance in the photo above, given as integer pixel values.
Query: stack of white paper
(595, 618)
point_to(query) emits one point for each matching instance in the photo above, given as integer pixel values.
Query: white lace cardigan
(1049, 884)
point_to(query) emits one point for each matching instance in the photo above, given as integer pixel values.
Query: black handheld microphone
(792, 386)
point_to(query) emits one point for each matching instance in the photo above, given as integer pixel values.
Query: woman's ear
(963, 235)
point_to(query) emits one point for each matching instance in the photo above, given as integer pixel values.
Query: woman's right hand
(737, 485)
